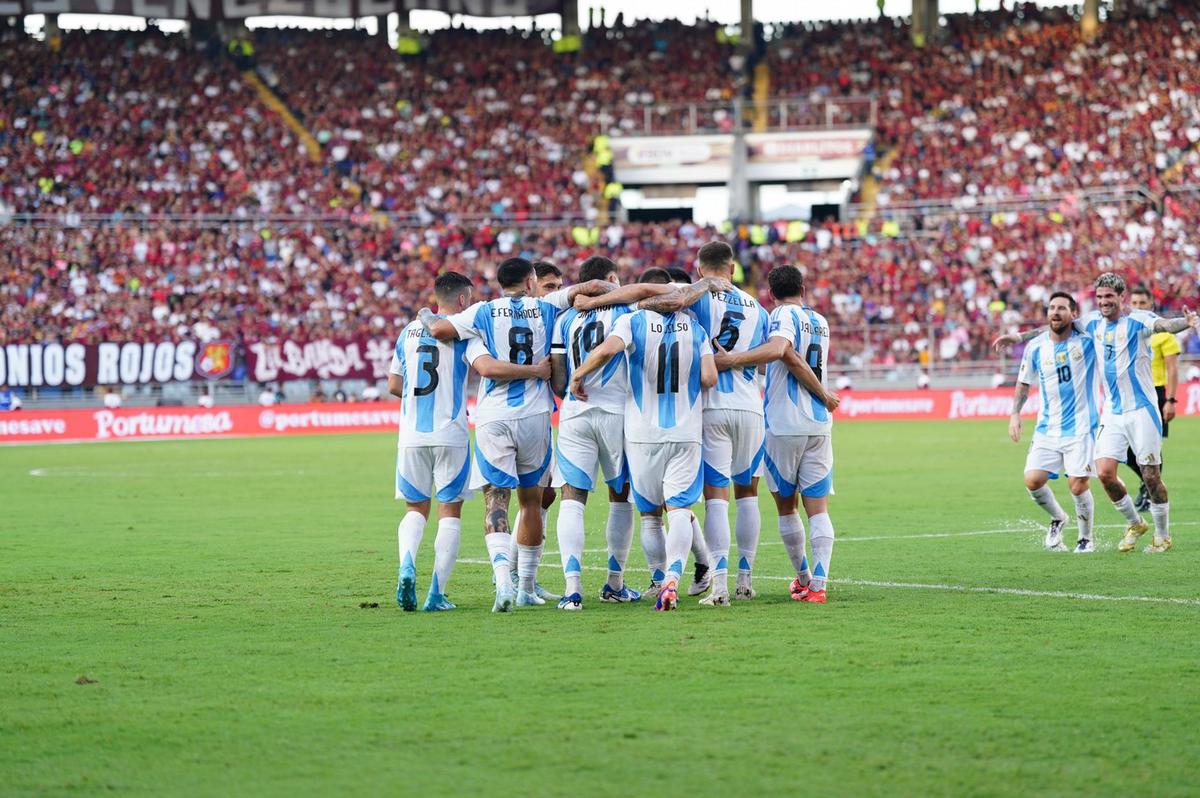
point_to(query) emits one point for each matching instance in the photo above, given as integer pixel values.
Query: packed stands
(476, 150)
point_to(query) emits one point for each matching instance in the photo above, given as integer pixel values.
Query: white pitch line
(1032, 527)
(1003, 591)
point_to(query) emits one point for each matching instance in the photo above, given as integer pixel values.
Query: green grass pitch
(188, 618)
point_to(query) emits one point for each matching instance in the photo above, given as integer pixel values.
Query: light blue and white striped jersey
(433, 409)
(736, 321)
(663, 355)
(516, 330)
(790, 408)
(575, 335)
(1123, 347)
(1069, 384)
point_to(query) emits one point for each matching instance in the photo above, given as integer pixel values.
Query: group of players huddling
(660, 394)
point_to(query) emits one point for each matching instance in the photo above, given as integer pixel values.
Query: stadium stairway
(869, 191)
(762, 91)
(273, 101)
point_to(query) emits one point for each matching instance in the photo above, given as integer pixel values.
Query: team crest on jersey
(1110, 337)
(215, 360)
(1060, 358)
(1077, 354)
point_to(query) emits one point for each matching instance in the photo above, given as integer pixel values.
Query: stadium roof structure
(242, 9)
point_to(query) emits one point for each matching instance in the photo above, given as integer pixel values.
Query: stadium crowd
(477, 149)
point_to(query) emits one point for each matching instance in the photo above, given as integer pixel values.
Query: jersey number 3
(430, 367)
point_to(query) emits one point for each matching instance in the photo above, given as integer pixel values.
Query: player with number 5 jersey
(733, 426)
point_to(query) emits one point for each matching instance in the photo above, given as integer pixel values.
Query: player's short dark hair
(545, 267)
(1064, 295)
(655, 275)
(679, 275)
(513, 272)
(1141, 289)
(596, 267)
(715, 254)
(786, 282)
(449, 285)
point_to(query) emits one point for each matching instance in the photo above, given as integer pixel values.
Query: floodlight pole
(1089, 23)
(570, 17)
(924, 22)
(740, 206)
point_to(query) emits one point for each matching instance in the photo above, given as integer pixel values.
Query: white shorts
(1074, 456)
(803, 462)
(512, 453)
(664, 473)
(420, 468)
(733, 446)
(1140, 430)
(593, 438)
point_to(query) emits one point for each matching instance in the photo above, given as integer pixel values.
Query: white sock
(1127, 508)
(570, 544)
(528, 558)
(513, 554)
(1162, 527)
(445, 550)
(1085, 507)
(1044, 497)
(748, 526)
(716, 535)
(791, 532)
(747, 533)
(699, 547)
(822, 548)
(680, 534)
(654, 544)
(619, 536)
(498, 544)
(409, 533)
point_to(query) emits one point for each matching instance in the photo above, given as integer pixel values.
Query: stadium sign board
(770, 157)
(241, 9)
(149, 423)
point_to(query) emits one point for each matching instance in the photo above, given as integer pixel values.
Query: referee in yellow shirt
(1164, 368)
